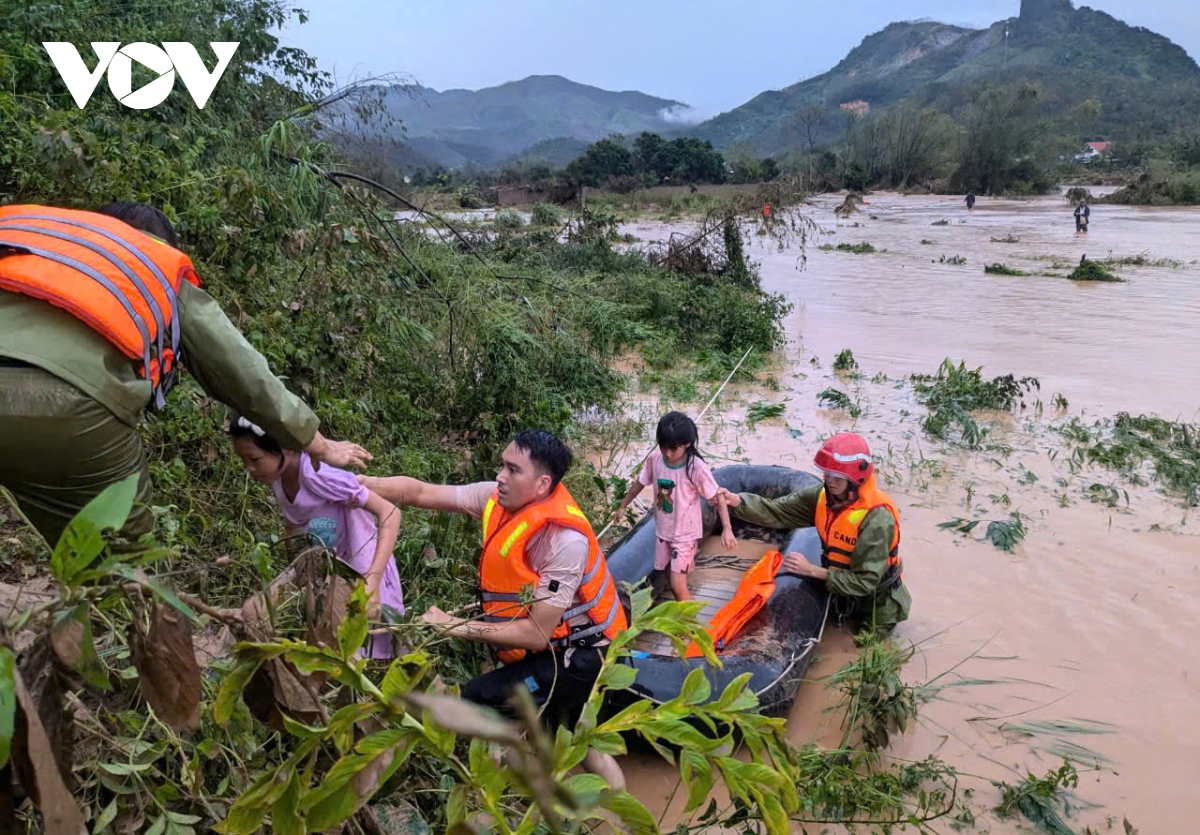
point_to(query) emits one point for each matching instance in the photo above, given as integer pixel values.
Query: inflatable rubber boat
(776, 645)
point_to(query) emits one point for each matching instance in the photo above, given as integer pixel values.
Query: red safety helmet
(847, 455)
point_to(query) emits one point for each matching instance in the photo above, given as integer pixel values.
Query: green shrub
(509, 219)
(1092, 271)
(546, 214)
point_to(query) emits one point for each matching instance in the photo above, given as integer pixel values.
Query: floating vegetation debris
(1001, 269)
(864, 248)
(836, 399)
(1092, 271)
(1105, 494)
(1129, 444)
(1007, 239)
(1005, 534)
(955, 391)
(845, 361)
(875, 700)
(927, 242)
(1039, 799)
(1142, 259)
(956, 260)
(762, 410)
(942, 222)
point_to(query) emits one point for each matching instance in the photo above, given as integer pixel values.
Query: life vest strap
(588, 635)
(583, 608)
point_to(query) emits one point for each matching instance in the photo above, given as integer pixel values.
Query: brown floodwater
(1091, 625)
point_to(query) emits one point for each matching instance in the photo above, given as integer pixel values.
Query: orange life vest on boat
(839, 531)
(754, 591)
(121, 282)
(506, 582)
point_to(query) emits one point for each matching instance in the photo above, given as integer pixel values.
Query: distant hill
(1140, 80)
(489, 126)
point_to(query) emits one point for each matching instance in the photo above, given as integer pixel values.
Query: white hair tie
(245, 424)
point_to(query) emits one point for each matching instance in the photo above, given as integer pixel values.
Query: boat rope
(808, 647)
(699, 417)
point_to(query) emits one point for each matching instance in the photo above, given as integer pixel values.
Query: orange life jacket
(506, 582)
(755, 589)
(121, 282)
(839, 531)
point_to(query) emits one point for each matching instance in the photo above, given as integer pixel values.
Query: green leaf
(628, 718)
(105, 818)
(334, 808)
(773, 813)
(158, 827)
(640, 602)
(8, 701)
(697, 776)
(736, 697)
(696, 687)
(586, 789)
(731, 774)
(124, 769)
(300, 730)
(440, 739)
(72, 639)
(607, 743)
(397, 679)
(353, 629)
(285, 815)
(631, 811)
(82, 541)
(484, 771)
(231, 689)
(243, 819)
(456, 804)
(617, 676)
(140, 577)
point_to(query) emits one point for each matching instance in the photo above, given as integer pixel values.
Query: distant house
(1093, 151)
(858, 108)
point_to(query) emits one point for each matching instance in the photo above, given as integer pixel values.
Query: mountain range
(488, 126)
(1109, 79)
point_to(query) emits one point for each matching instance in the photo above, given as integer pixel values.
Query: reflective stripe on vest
(506, 577)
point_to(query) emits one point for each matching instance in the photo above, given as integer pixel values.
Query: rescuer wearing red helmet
(859, 527)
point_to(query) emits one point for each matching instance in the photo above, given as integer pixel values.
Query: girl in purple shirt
(357, 525)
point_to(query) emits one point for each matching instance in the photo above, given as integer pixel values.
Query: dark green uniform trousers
(59, 449)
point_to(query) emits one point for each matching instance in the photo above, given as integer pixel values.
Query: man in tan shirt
(560, 680)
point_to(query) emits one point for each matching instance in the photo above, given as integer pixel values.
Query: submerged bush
(1092, 271)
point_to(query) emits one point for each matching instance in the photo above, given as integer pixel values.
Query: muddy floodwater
(1084, 640)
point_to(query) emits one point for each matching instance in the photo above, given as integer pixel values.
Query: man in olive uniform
(859, 527)
(70, 400)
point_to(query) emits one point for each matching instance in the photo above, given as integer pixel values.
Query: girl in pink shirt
(357, 525)
(682, 480)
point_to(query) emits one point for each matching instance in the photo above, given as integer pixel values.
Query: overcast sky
(711, 54)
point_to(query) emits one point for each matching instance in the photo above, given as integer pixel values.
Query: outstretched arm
(795, 510)
(412, 492)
